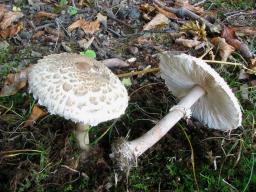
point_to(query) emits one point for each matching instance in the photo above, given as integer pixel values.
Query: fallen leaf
(88, 26)
(185, 4)
(115, 62)
(34, 116)
(14, 83)
(225, 50)
(166, 13)
(10, 17)
(102, 19)
(11, 31)
(158, 21)
(43, 15)
(188, 42)
(84, 43)
(230, 37)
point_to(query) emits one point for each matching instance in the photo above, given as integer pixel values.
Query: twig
(223, 62)
(206, 52)
(44, 26)
(230, 63)
(142, 72)
(183, 12)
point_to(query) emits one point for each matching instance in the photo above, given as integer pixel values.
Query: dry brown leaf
(188, 42)
(225, 50)
(187, 5)
(158, 21)
(11, 31)
(14, 83)
(10, 17)
(36, 114)
(88, 26)
(166, 13)
(42, 15)
(230, 37)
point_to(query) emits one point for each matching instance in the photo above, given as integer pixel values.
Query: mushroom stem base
(125, 153)
(82, 136)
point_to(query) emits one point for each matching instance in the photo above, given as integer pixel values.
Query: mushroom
(78, 88)
(202, 93)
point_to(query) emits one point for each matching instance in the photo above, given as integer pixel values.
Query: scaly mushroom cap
(218, 108)
(77, 88)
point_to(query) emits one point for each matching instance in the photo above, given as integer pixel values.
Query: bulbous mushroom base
(122, 155)
(82, 136)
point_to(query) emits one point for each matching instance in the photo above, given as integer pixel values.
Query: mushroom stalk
(127, 152)
(82, 135)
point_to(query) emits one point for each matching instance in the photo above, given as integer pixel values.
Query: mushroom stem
(127, 152)
(82, 135)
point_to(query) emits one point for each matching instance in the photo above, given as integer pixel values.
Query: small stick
(142, 72)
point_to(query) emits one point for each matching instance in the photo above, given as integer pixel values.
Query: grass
(168, 165)
(232, 4)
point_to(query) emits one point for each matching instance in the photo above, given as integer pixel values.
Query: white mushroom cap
(218, 108)
(77, 88)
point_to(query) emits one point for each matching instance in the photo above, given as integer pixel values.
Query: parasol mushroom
(202, 93)
(78, 88)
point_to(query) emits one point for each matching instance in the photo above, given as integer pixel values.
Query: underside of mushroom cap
(218, 108)
(77, 88)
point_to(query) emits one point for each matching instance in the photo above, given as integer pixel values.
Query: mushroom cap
(218, 108)
(77, 88)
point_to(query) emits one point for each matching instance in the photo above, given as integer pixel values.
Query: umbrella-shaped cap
(218, 108)
(77, 88)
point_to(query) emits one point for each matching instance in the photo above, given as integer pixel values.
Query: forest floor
(38, 151)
